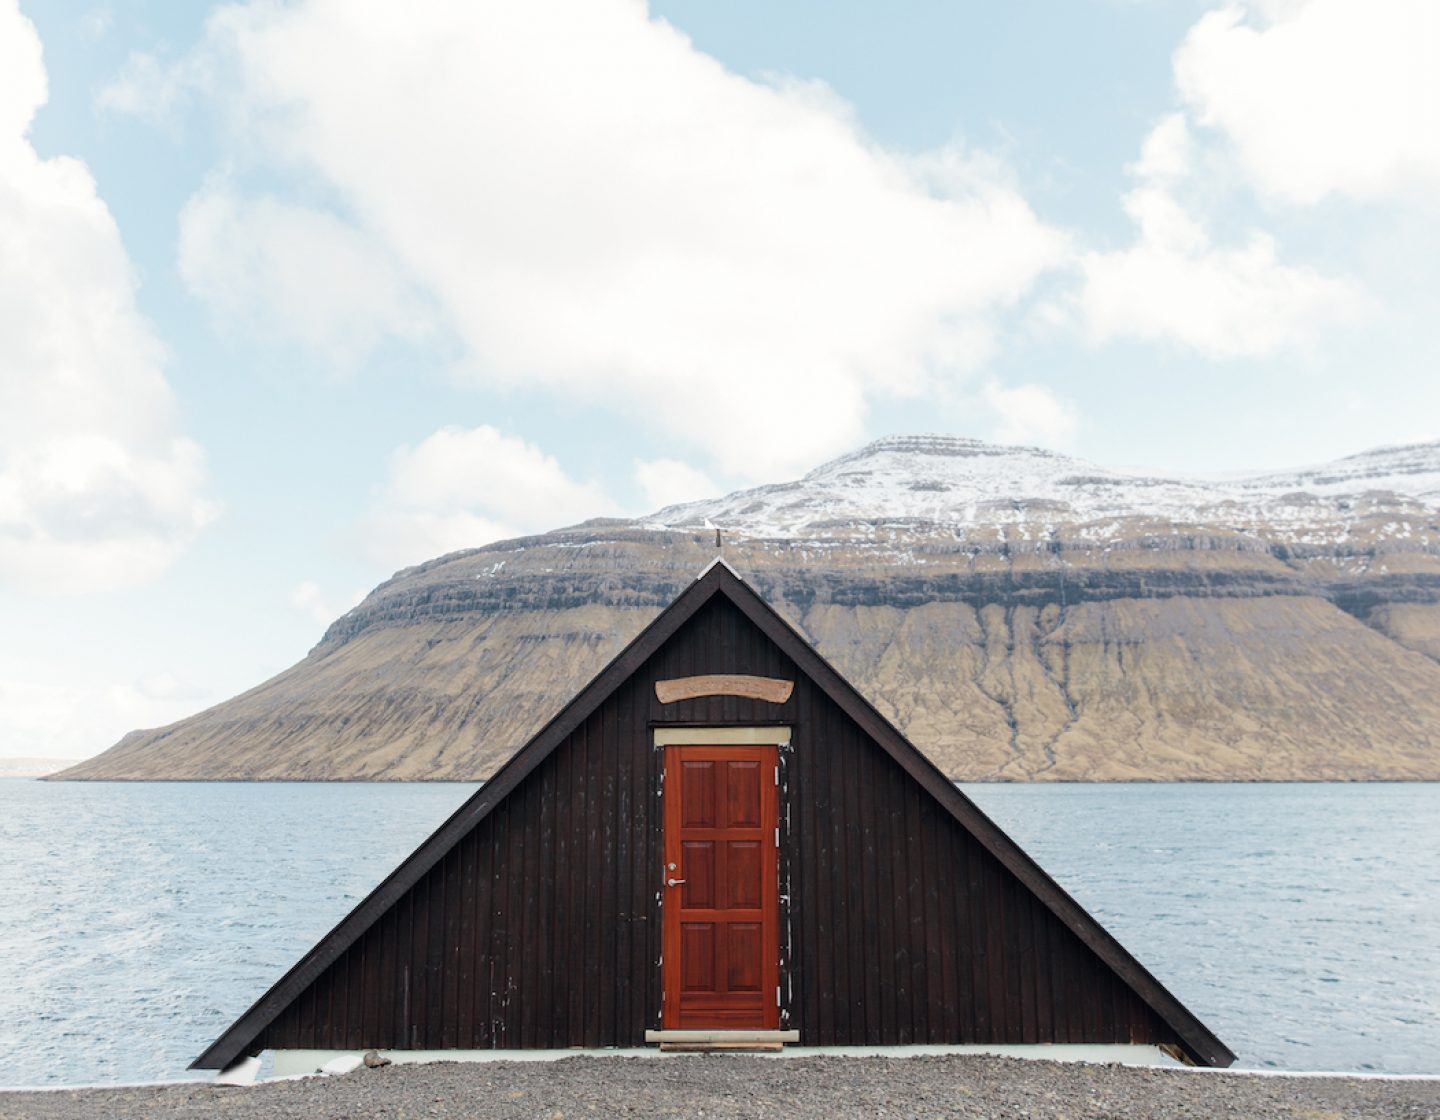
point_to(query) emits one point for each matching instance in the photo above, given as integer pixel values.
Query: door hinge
(777, 995)
(777, 774)
(777, 836)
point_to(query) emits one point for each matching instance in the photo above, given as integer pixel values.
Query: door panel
(722, 947)
(698, 793)
(742, 786)
(743, 874)
(697, 951)
(697, 858)
(744, 957)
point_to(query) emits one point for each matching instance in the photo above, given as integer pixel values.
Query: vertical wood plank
(368, 1002)
(523, 934)
(465, 948)
(890, 868)
(484, 922)
(575, 883)
(642, 969)
(621, 763)
(533, 932)
(419, 970)
(504, 920)
(564, 858)
(914, 885)
(435, 961)
(543, 946)
(493, 979)
(355, 995)
(593, 883)
(825, 967)
(404, 920)
(939, 1021)
(383, 982)
(450, 950)
(1044, 993)
(305, 1026)
(979, 943)
(1074, 992)
(840, 882)
(655, 927)
(804, 914)
(956, 848)
(856, 877)
(863, 770)
(326, 1025)
(1001, 959)
(604, 883)
(1025, 966)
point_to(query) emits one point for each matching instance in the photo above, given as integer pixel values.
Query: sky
(293, 295)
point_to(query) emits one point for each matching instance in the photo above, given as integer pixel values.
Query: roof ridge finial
(719, 562)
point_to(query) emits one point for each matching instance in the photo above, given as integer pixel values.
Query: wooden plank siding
(541, 928)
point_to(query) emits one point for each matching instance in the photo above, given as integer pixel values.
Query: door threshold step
(721, 1047)
(675, 1041)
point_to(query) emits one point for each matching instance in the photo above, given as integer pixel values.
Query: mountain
(1020, 614)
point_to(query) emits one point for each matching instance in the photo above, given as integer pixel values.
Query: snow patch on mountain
(918, 484)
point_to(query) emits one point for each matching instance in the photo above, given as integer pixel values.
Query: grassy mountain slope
(1124, 629)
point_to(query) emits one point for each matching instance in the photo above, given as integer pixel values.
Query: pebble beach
(745, 1086)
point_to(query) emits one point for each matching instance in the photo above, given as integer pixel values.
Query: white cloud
(294, 273)
(461, 488)
(24, 86)
(152, 88)
(1168, 152)
(1322, 97)
(1031, 414)
(311, 600)
(96, 23)
(668, 482)
(98, 485)
(1304, 99)
(76, 721)
(1176, 283)
(600, 210)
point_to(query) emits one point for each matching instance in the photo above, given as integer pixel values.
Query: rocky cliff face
(1021, 615)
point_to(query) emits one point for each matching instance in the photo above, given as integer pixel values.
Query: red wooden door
(722, 945)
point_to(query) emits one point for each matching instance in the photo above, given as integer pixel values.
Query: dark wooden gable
(530, 918)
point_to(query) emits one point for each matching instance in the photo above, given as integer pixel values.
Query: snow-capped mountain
(979, 489)
(1022, 615)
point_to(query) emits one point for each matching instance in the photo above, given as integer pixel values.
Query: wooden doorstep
(781, 1037)
(713, 1047)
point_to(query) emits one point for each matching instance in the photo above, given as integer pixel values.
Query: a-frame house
(718, 833)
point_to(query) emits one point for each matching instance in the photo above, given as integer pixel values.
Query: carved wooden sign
(753, 688)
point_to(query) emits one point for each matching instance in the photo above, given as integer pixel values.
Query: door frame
(773, 739)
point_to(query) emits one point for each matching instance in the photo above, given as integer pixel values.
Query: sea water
(1301, 923)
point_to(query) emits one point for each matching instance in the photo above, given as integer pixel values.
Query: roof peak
(722, 562)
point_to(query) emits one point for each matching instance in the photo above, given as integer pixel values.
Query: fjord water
(137, 920)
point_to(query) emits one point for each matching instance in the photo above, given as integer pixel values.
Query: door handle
(674, 882)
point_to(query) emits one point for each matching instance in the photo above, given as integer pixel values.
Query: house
(718, 836)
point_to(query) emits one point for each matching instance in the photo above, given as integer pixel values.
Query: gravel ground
(717, 1086)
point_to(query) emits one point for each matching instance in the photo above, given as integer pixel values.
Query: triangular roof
(718, 579)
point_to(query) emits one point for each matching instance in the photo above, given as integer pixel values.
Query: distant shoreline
(24, 767)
